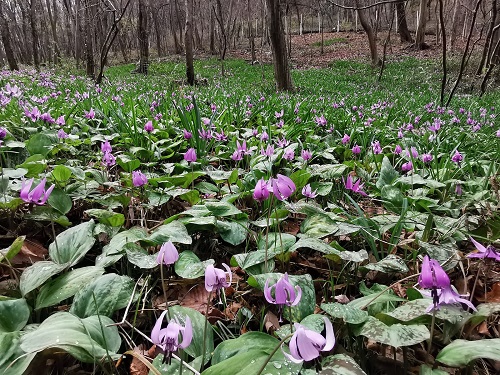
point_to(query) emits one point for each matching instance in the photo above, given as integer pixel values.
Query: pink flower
(139, 178)
(167, 339)
(38, 195)
(261, 191)
(306, 345)
(398, 150)
(283, 187)
(377, 149)
(216, 278)
(284, 293)
(321, 120)
(190, 155)
(484, 252)
(356, 187)
(406, 167)
(90, 114)
(108, 159)
(149, 126)
(106, 147)
(187, 134)
(427, 158)
(289, 155)
(306, 155)
(457, 157)
(168, 254)
(345, 139)
(356, 150)
(308, 193)
(61, 134)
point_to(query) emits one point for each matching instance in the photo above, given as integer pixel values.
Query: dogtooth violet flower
(484, 252)
(432, 276)
(356, 150)
(261, 191)
(306, 345)
(308, 193)
(283, 187)
(149, 126)
(168, 254)
(108, 160)
(216, 278)
(167, 339)
(457, 157)
(38, 195)
(356, 186)
(284, 293)
(139, 178)
(407, 167)
(306, 154)
(106, 147)
(345, 139)
(190, 155)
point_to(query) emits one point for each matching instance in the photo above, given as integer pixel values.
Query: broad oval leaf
(13, 360)
(189, 266)
(174, 231)
(348, 314)
(66, 286)
(38, 273)
(71, 245)
(14, 314)
(460, 352)
(341, 364)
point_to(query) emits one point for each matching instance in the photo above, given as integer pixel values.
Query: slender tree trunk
(372, 42)
(188, 42)
(123, 47)
(142, 32)
(489, 38)
(53, 27)
(212, 31)
(27, 54)
(278, 45)
(156, 23)
(9, 53)
(422, 22)
(223, 30)
(403, 31)
(174, 31)
(89, 32)
(250, 34)
(34, 35)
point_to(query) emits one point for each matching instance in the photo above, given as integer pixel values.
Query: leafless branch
(363, 7)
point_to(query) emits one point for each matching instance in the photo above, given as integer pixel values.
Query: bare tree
(188, 41)
(34, 34)
(142, 32)
(6, 40)
(422, 22)
(278, 45)
(372, 41)
(403, 31)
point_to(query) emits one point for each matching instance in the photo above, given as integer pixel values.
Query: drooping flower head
(407, 167)
(149, 126)
(289, 155)
(306, 155)
(90, 114)
(108, 160)
(106, 147)
(284, 293)
(190, 155)
(306, 345)
(167, 339)
(484, 252)
(187, 134)
(356, 150)
(216, 278)
(283, 187)
(261, 191)
(139, 178)
(345, 139)
(355, 186)
(38, 195)
(457, 157)
(168, 254)
(377, 149)
(427, 158)
(308, 193)
(61, 134)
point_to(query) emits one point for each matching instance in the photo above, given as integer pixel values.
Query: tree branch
(363, 7)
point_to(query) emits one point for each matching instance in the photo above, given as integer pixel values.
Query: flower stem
(55, 239)
(433, 321)
(205, 332)
(164, 291)
(273, 352)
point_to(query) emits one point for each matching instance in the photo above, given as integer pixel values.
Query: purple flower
(279, 114)
(47, 118)
(457, 157)
(398, 150)
(376, 147)
(289, 155)
(187, 134)
(38, 195)
(269, 151)
(306, 155)
(356, 150)
(345, 139)
(3, 133)
(283, 187)
(90, 114)
(108, 160)
(60, 121)
(242, 148)
(190, 155)
(284, 293)
(432, 275)
(167, 339)
(205, 134)
(106, 147)
(427, 158)
(139, 178)
(406, 167)
(264, 137)
(61, 134)
(308, 193)
(236, 156)
(261, 191)
(283, 142)
(149, 126)
(484, 252)
(321, 120)
(168, 254)
(355, 186)
(458, 189)
(306, 345)
(216, 278)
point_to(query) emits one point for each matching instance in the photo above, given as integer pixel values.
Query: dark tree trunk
(53, 27)
(489, 38)
(212, 30)
(278, 45)
(156, 23)
(34, 34)
(142, 31)
(4, 29)
(372, 42)
(250, 33)
(422, 22)
(27, 55)
(89, 32)
(188, 42)
(403, 31)
(177, 45)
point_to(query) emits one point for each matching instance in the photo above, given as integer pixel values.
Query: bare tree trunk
(278, 45)
(89, 32)
(53, 27)
(188, 42)
(422, 22)
(142, 32)
(403, 31)
(489, 37)
(372, 42)
(123, 47)
(250, 33)
(27, 54)
(212, 30)
(223, 30)
(177, 45)
(34, 35)
(4, 29)
(156, 23)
